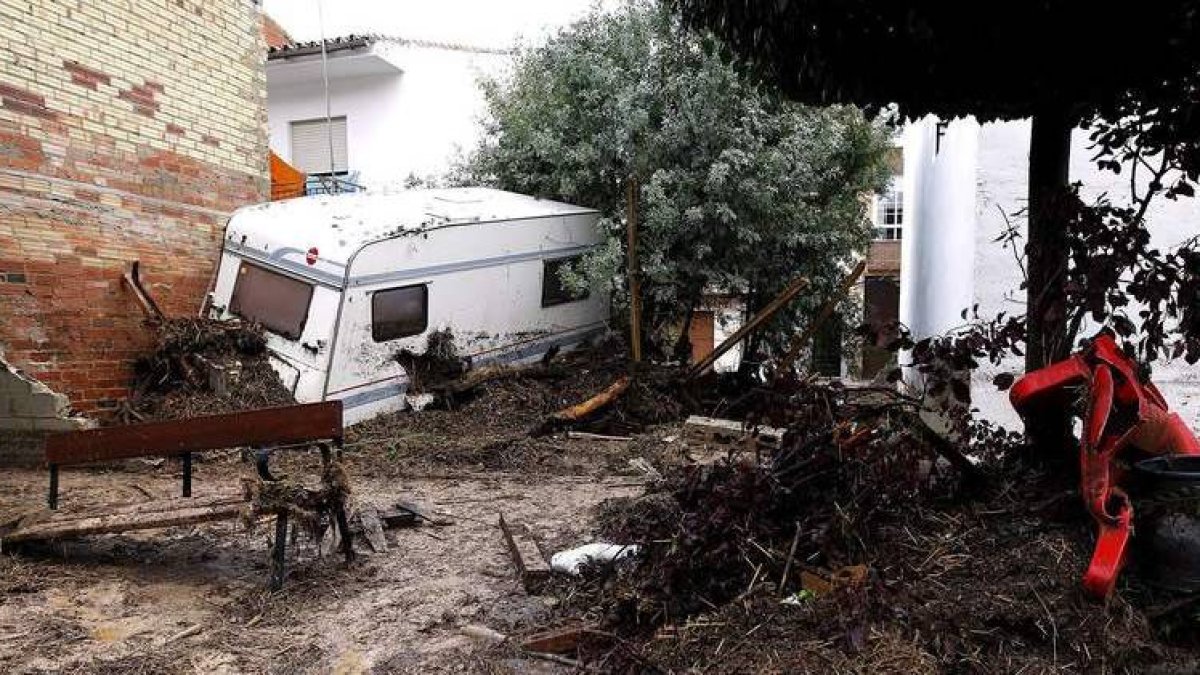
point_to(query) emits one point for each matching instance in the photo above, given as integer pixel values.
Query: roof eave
(311, 48)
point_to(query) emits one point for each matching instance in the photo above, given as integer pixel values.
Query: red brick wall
(883, 258)
(128, 131)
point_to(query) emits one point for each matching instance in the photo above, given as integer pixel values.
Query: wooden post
(779, 302)
(822, 316)
(635, 282)
(279, 552)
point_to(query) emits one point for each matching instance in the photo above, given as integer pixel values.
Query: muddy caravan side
(344, 283)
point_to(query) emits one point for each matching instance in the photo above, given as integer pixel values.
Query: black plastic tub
(1166, 502)
(1167, 474)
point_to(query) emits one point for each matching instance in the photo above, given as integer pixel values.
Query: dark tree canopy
(1007, 60)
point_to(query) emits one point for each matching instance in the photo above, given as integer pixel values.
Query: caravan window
(399, 312)
(278, 302)
(554, 292)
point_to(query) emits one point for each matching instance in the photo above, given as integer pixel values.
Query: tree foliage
(739, 190)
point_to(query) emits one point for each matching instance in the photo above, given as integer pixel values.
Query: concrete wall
(129, 129)
(28, 412)
(414, 122)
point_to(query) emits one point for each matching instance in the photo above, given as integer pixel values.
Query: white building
(395, 108)
(963, 182)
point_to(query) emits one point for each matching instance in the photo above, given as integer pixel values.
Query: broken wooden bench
(263, 430)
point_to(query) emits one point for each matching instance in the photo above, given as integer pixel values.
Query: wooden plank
(822, 316)
(152, 506)
(531, 566)
(397, 517)
(264, 427)
(373, 529)
(62, 528)
(558, 641)
(725, 431)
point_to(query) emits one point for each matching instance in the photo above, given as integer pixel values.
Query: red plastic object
(1124, 415)
(1108, 557)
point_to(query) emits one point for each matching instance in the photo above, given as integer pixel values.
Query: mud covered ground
(112, 604)
(952, 576)
(194, 599)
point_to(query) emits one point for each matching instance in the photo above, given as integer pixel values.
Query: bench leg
(187, 474)
(343, 527)
(279, 552)
(53, 496)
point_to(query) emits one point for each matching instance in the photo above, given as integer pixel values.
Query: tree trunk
(1047, 340)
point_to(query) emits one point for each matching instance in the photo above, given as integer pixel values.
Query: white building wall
(369, 103)
(937, 254)
(1002, 186)
(414, 122)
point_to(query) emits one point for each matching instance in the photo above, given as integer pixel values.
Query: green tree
(740, 190)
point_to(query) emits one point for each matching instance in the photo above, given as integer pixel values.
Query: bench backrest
(254, 428)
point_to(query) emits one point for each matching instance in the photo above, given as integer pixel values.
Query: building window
(554, 292)
(311, 146)
(889, 211)
(399, 312)
(278, 302)
(889, 233)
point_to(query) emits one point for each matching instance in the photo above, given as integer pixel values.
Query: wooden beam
(253, 428)
(802, 339)
(779, 302)
(181, 512)
(531, 566)
(634, 272)
(373, 528)
(598, 402)
(558, 641)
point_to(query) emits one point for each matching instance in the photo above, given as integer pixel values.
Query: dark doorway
(881, 311)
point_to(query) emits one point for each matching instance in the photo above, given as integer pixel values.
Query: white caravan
(342, 283)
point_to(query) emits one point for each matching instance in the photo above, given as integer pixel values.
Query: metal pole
(328, 113)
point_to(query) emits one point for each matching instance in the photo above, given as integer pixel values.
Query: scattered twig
(184, 634)
(787, 567)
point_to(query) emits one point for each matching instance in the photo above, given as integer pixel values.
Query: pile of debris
(507, 417)
(203, 367)
(857, 545)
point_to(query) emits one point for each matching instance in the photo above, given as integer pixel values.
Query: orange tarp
(286, 180)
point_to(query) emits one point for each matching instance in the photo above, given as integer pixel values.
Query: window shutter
(310, 145)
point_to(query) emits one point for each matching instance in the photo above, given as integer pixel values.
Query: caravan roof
(339, 225)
